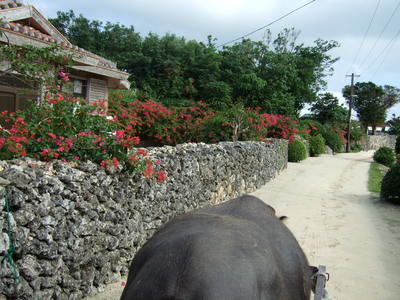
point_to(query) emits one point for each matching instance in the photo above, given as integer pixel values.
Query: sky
(367, 30)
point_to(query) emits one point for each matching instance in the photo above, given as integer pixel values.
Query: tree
(113, 41)
(395, 125)
(371, 102)
(327, 109)
(278, 75)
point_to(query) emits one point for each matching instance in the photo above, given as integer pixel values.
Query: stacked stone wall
(374, 142)
(77, 227)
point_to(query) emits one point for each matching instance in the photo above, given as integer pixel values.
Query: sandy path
(340, 225)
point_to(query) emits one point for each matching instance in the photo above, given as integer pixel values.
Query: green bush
(317, 145)
(168, 102)
(333, 140)
(397, 147)
(385, 156)
(390, 189)
(308, 127)
(356, 136)
(356, 147)
(218, 94)
(297, 151)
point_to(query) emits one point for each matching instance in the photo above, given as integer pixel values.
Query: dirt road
(340, 225)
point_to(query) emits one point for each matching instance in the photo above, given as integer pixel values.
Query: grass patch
(376, 174)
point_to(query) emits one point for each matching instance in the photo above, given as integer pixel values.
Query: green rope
(11, 248)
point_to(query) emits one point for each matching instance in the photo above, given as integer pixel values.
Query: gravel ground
(341, 225)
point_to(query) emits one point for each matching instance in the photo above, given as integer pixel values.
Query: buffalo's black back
(235, 250)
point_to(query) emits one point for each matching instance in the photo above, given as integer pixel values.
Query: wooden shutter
(97, 89)
(7, 101)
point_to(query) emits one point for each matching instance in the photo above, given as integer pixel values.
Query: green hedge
(333, 140)
(397, 147)
(385, 156)
(390, 189)
(297, 151)
(317, 145)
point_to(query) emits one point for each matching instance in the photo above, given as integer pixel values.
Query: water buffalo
(236, 250)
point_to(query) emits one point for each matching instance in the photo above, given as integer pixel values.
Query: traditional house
(92, 76)
(380, 129)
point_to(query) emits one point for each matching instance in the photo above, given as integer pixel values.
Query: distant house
(379, 130)
(92, 76)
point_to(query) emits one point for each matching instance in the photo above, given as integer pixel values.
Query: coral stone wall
(77, 228)
(374, 142)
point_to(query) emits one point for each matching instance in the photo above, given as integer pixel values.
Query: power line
(389, 44)
(380, 35)
(366, 33)
(388, 48)
(269, 24)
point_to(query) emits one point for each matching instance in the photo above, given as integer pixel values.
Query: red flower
(115, 162)
(52, 135)
(161, 176)
(119, 134)
(45, 151)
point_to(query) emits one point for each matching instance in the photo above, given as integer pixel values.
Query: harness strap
(321, 277)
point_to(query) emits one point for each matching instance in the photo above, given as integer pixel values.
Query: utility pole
(350, 107)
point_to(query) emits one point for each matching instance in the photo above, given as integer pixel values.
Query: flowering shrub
(63, 127)
(196, 122)
(70, 129)
(38, 67)
(334, 139)
(282, 127)
(152, 120)
(309, 128)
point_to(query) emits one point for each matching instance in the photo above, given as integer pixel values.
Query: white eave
(103, 71)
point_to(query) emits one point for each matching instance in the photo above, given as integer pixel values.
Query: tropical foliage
(371, 102)
(60, 126)
(278, 74)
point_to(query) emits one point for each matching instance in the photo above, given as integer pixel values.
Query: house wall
(23, 98)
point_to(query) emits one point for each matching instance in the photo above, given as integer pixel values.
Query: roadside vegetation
(384, 174)
(183, 91)
(376, 173)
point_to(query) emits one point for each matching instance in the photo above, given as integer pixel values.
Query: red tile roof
(34, 33)
(4, 4)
